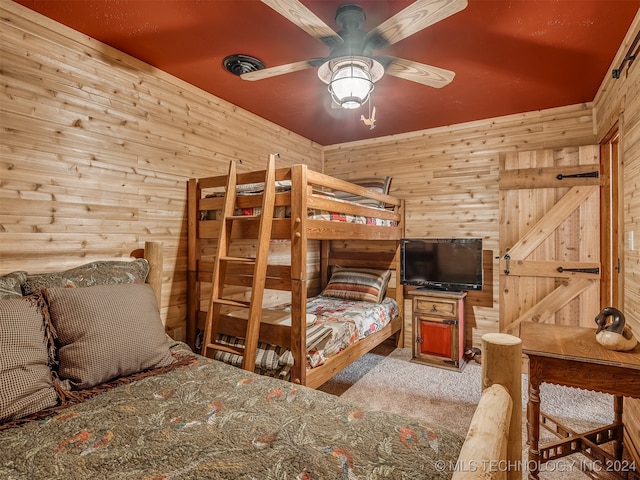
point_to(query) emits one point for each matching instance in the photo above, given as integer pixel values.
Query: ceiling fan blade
(279, 70)
(417, 72)
(417, 16)
(297, 13)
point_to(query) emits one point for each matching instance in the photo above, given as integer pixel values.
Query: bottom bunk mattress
(332, 325)
(208, 420)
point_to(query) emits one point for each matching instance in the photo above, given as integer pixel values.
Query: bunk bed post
(298, 272)
(399, 286)
(193, 259)
(325, 246)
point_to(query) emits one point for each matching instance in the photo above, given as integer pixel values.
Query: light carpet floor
(385, 379)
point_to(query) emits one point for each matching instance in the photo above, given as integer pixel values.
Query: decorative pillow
(11, 284)
(94, 273)
(106, 331)
(377, 184)
(26, 383)
(364, 284)
(253, 188)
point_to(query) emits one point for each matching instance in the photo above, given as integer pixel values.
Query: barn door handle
(579, 270)
(507, 258)
(579, 175)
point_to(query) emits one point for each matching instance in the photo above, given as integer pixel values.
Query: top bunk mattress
(284, 211)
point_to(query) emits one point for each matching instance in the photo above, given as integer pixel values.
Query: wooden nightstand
(438, 328)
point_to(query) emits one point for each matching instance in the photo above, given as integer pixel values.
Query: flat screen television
(450, 264)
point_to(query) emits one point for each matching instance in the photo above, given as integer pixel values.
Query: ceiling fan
(351, 69)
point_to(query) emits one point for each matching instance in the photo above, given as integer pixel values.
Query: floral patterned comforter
(348, 320)
(366, 317)
(210, 420)
(338, 323)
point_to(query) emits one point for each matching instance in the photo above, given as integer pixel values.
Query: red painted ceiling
(509, 56)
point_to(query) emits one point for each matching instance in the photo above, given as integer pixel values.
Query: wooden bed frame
(153, 254)
(493, 446)
(328, 238)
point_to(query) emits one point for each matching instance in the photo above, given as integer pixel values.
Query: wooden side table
(571, 356)
(438, 328)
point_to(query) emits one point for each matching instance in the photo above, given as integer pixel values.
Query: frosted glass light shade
(350, 85)
(350, 79)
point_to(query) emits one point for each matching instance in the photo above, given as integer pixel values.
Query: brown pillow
(106, 331)
(26, 384)
(111, 272)
(359, 284)
(11, 284)
(377, 184)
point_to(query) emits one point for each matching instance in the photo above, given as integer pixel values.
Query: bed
(195, 417)
(321, 224)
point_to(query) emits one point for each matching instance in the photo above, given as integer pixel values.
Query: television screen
(453, 264)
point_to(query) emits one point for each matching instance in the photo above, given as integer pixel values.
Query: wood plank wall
(96, 148)
(449, 178)
(618, 103)
(90, 169)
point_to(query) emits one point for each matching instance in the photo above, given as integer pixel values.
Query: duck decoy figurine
(614, 334)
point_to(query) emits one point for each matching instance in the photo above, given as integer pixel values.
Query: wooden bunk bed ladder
(222, 259)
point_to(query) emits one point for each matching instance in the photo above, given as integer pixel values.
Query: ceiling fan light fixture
(350, 85)
(350, 79)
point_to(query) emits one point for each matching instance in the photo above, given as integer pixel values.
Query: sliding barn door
(549, 237)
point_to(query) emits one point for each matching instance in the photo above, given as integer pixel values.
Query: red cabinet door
(435, 339)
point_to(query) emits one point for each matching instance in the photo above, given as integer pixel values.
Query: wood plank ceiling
(509, 56)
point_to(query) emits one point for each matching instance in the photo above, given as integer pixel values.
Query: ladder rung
(242, 217)
(238, 259)
(231, 303)
(226, 348)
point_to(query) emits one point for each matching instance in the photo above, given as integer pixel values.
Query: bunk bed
(196, 417)
(320, 224)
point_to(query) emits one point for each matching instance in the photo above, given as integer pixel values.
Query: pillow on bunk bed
(253, 188)
(377, 184)
(110, 272)
(26, 382)
(106, 331)
(363, 284)
(11, 284)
